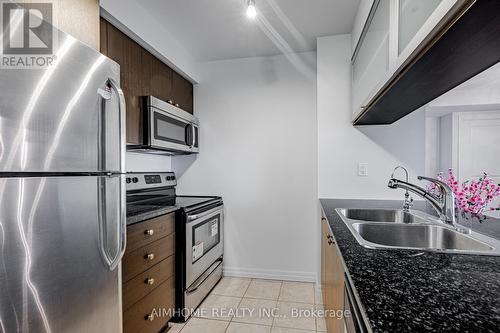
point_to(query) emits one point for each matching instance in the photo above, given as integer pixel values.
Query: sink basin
(414, 230)
(381, 215)
(419, 237)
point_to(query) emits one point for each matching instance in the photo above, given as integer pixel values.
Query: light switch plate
(363, 169)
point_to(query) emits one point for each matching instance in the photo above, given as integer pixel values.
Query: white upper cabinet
(416, 19)
(393, 31)
(370, 63)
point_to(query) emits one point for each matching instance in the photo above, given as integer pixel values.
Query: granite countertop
(149, 215)
(431, 292)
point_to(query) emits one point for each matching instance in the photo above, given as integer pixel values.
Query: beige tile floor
(239, 305)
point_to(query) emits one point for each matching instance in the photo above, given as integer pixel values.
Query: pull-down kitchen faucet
(408, 203)
(444, 204)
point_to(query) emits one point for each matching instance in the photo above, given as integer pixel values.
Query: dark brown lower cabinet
(150, 314)
(332, 279)
(148, 274)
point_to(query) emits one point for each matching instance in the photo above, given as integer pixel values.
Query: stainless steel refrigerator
(62, 194)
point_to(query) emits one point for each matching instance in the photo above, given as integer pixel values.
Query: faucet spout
(396, 183)
(447, 199)
(444, 204)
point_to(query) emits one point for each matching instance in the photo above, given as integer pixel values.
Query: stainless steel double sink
(415, 230)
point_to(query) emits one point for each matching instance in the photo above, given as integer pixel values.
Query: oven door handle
(204, 276)
(201, 215)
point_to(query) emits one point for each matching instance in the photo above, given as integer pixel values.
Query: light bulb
(251, 10)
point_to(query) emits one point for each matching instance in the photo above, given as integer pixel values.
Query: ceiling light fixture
(251, 10)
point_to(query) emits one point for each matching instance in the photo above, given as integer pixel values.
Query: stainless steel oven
(167, 129)
(200, 258)
(204, 241)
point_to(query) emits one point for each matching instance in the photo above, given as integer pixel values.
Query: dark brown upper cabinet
(465, 43)
(182, 92)
(142, 74)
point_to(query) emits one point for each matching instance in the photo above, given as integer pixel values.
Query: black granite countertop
(432, 292)
(152, 214)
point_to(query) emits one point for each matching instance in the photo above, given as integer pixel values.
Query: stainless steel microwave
(167, 129)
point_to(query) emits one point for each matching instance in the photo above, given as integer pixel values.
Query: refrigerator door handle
(103, 230)
(121, 231)
(121, 111)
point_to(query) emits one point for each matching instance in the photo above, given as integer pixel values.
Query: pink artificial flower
(472, 196)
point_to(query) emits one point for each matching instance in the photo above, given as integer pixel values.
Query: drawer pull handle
(177, 104)
(149, 232)
(150, 256)
(149, 317)
(150, 281)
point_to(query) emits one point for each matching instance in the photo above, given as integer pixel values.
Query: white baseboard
(270, 274)
(318, 288)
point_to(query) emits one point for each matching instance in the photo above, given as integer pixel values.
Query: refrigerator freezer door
(53, 276)
(65, 118)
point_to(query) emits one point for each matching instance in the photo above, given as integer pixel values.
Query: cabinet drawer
(137, 318)
(146, 232)
(146, 282)
(140, 260)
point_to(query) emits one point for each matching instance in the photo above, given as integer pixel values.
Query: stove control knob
(135, 180)
(173, 177)
(128, 180)
(169, 178)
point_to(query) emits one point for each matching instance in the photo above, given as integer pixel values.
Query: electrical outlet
(363, 169)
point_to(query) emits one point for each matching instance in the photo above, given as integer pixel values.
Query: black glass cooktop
(146, 204)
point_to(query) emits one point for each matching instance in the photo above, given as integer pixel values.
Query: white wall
(138, 162)
(448, 138)
(341, 146)
(258, 150)
(432, 146)
(138, 24)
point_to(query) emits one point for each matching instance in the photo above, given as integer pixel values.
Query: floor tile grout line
(269, 299)
(277, 301)
(238, 306)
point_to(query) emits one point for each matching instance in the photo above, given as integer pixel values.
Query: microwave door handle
(195, 139)
(188, 133)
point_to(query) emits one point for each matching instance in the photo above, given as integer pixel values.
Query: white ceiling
(218, 29)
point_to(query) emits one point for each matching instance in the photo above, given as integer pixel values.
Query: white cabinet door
(370, 65)
(416, 19)
(479, 146)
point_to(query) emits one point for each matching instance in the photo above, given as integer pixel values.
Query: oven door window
(206, 235)
(170, 129)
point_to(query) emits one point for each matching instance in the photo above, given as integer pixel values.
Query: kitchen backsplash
(137, 162)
